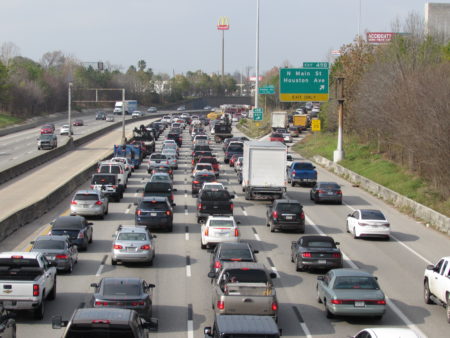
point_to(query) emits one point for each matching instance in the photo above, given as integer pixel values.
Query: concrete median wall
(420, 211)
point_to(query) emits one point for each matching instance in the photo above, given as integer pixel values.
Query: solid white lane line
(394, 308)
(401, 243)
(135, 194)
(306, 330)
(190, 329)
(99, 271)
(188, 271)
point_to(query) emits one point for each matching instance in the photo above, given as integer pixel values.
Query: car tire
(292, 184)
(90, 239)
(70, 269)
(106, 211)
(52, 294)
(354, 234)
(311, 197)
(113, 262)
(346, 228)
(272, 228)
(292, 258)
(447, 308)
(102, 216)
(299, 268)
(202, 246)
(427, 293)
(328, 312)
(150, 262)
(170, 228)
(38, 312)
(318, 297)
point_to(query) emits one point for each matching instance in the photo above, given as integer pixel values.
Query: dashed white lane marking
(394, 308)
(186, 212)
(244, 212)
(306, 330)
(257, 237)
(127, 211)
(190, 329)
(186, 236)
(100, 269)
(188, 271)
(135, 194)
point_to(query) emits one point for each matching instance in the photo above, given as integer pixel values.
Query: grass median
(254, 129)
(6, 120)
(364, 159)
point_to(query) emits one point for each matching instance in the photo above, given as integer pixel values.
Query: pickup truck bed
(20, 274)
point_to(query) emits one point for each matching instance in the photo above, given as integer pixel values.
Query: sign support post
(338, 154)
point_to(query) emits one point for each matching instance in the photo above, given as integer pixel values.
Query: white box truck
(130, 106)
(279, 119)
(264, 170)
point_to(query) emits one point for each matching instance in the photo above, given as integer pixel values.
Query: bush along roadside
(365, 160)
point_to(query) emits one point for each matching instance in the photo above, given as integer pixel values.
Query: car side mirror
(90, 223)
(151, 325)
(238, 222)
(211, 274)
(430, 267)
(349, 215)
(58, 323)
(320, 278)
(175, 189)
(294, 242)
(139, 190)
(273, 275)
(135, 203)
(32, 242)
(151, 286)
(94, 285)
(232, 196)
(337, 243)
(255, 251)
(208, 331)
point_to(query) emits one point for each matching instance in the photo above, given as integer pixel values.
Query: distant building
(437, 19)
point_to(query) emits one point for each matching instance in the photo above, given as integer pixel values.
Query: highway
(182, 297)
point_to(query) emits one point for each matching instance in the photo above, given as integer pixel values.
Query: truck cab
(436, 284)
(302, 172)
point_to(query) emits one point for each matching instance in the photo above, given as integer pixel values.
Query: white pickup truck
(26, 280)
(436, 284)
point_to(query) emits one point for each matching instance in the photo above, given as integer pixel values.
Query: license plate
(153, 214)
(359, 304)
(49, 257)
(330, 193)
(322, 261)
(288, 217)
(131, 249)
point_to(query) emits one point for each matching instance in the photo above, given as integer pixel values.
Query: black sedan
(326, 191)
(231, 252)
(125, 293)
(200, 178)
(316, 252)
(57, 249)
(79, 230)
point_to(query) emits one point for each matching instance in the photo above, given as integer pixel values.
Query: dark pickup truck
(214, 203)
(163, 189)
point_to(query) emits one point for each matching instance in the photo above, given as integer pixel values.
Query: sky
(175, 36)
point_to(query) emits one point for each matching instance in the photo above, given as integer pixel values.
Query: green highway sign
(316, 65)
(269, 89)
(257, 114)
(304, 84)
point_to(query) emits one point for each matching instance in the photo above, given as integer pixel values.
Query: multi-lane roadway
(182, 297)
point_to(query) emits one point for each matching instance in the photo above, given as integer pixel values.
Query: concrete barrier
(419, 211)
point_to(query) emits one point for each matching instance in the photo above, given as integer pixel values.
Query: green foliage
(7, 120)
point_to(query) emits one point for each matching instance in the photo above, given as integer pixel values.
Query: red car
(78, 123)
(233, 159)
(48, 129)
(277, 137)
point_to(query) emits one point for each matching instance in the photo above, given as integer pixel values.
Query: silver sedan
(57, 249)
(89, 203)
(133, 243)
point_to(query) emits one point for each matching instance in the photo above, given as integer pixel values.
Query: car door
(441, 281)
(48, 276)
(433, 282)
(323, 286)
(353, 221)
(104, 200)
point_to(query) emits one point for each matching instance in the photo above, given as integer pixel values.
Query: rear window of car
(121, 288)
(330, 186)
(247, 275)
(158, 187)
(221, 223)
(220, 195)
(86, 197)
(238, 253)
(303, 166)
(201, 137)
(211, 160)
(158, 157)
(372, 214)
(131, 236)
(202, 166)
(103, 179)
(277, 135)
(318, 243)
(235, 147)
(153, 205)
(289, 207)
(355, 282)
(49, 244)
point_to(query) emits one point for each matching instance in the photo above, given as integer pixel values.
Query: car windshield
(153, 205)
(355, 282)
(289, 207)
(246, 275)
(303, 166)
(221, 223)
(236, 254)
(49, 244)
(86, 197)
(121, 288)
(131, 236)
(372, 214)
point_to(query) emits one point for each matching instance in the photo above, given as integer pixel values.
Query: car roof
(351, 272)
(235, 324)
(51, 238)
(244, 265)
(116, 316)
(91, 191)
(391, 332)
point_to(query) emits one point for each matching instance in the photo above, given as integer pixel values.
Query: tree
(141, 65)
(8, 51)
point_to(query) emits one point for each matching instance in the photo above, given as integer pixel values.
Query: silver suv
(109, 167)
(89, 203)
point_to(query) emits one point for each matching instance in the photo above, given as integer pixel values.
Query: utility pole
(124, 140)
(338, 154)
(257, 55)
(69, 110)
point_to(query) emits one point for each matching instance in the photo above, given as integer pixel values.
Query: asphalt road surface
(181, 266)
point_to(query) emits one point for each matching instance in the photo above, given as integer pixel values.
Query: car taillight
(339, 192)
(74, 203)
(81, 234)
(195, 182)
(199, 206)
(61, 257)
(99, 303)
(35, 290)
(92, 187)
(168, 213)
(99, 203)
(206, 231)
(302, 215)
(275, 214)
(363, 224)
(145, 247)
(217, 265)
(236, 232)
(381, 302)
(220, 304)
(171, 196)
(274, 306)
(336, 255)
(118, 247)
(231, 206)
(336, 301)
(138, 212)
(321, 191)
(387, 225)
(114, 186)
(137, 303)
(306, 255)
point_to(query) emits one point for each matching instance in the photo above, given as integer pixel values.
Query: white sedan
(368, 223)
(219, 229)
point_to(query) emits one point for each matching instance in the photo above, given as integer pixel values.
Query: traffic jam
(226, 172)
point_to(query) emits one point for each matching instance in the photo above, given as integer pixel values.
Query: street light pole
(124, 141)
(257, 55)
(69, 110)
(338, 154)
(223, 54)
